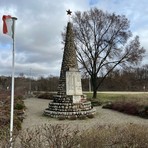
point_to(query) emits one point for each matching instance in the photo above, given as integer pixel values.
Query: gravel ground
(35, 108)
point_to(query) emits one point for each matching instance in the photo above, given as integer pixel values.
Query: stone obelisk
(69, 100)
(69, 59)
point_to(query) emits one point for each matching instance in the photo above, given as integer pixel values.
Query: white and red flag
(8, 25)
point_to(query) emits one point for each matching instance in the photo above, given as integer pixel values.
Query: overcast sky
(40, 23)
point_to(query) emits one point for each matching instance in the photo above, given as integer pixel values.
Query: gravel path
(35, 109)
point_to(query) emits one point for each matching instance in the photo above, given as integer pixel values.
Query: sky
(38, 47)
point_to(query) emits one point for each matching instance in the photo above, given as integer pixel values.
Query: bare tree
(103, 42)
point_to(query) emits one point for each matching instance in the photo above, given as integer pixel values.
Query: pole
(12, 86)
(89, 79)
(30, 83)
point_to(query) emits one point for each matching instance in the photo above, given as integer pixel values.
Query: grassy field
(140, 97)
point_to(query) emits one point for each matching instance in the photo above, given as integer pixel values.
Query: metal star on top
(69, 12)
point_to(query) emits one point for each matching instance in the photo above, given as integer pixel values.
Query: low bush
(46, 136)
(73, 117)
(143, 112)
(62, 117)
(128, 107)
(5, 105)
(19, 106)
(130, 135)
(46, 96)
(108, 105)
(82, 117)
(20, 97)
(131, 108)
(62, 135)
(95, 103)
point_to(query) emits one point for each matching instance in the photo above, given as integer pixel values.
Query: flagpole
(12, 84)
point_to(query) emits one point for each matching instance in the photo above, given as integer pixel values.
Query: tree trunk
(94, 94)
(94, 85)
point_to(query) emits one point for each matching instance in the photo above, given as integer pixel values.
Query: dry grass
(124, 136)
(106, 136)
(19, 107)
(111, 97)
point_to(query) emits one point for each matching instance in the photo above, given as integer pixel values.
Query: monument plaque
(73, 83)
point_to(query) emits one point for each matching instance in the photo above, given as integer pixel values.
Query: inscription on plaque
(73, 83)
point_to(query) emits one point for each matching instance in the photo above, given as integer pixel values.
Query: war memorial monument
(69, 100)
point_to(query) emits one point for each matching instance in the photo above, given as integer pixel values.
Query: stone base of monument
(63, 106)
